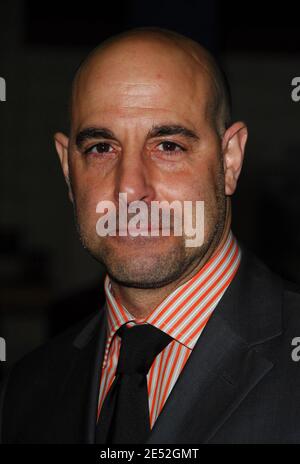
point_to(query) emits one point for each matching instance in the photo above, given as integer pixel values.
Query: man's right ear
(61, 144)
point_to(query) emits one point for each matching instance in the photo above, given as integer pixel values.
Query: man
(150, 118)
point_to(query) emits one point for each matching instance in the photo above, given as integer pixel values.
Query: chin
(152, 270)
(137, 280)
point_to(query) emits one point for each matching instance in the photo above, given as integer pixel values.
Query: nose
(134, 179)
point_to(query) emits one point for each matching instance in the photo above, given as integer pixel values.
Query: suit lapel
(78, 396)
(218, 375)
(93, 390)
(224, 365)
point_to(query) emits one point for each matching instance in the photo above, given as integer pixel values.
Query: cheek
(195, 183)
(202, 183)
(88, 191)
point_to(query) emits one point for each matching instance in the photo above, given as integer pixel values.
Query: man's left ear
(233, 148)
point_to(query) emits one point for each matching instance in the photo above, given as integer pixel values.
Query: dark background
(47, 281)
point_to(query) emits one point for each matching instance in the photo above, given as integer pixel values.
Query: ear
(61, 144)
(233, 148)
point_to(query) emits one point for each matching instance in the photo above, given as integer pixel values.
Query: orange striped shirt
(182, 315)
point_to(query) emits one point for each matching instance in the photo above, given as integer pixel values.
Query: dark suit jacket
(239, 385)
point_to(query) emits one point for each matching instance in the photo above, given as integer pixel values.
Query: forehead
(140, 79)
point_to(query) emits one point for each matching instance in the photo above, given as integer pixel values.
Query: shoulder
(36, 381)
(267, 289)
(57, 348)
(51, 360)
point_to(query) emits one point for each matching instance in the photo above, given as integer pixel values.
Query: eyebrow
(174, 129)
(93, 133)
(155, 131)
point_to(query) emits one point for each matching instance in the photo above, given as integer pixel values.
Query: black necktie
(124, 416)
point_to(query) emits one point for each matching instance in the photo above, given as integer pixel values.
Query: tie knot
(140, 346)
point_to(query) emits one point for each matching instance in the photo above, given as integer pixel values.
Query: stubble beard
(149, 268)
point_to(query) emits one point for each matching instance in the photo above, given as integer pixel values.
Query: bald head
(137, 47)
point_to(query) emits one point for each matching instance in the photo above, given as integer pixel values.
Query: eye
(101, 147)
(170, 147)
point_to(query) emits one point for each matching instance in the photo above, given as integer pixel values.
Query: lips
(144, 230)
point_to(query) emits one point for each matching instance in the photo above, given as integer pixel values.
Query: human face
(127, 95)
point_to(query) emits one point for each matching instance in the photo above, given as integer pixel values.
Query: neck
(140, 302)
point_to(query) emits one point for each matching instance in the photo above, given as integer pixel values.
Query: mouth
(145, 231)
